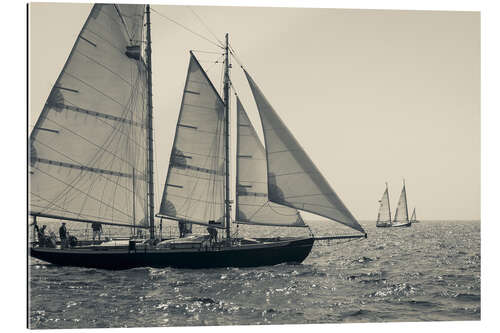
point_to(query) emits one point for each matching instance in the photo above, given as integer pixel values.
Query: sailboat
(384, 212)
(413, 218)
(91, 160)
(401, 215)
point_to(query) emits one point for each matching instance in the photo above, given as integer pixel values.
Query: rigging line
(64, 210)
(183, 26)
(157, 176)
(104, 66)
(99, 147)
(210, 52)
(232, 52)
(278, 213)
(94, 88)
(68, 157)
(215, 63)
(221, 79)
(210, 31)
(123, 20)
(77, 189)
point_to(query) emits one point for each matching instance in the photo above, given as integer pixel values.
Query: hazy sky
(371, 95)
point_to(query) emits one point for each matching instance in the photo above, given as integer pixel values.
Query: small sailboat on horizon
(413, 218)
(384, 212)
(401, 215)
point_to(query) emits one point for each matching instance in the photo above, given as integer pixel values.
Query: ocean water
(429, 272)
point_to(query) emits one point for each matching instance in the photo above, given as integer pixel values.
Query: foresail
(384, 213)
(194, 188)
(252, 203)
(413, 216)
(293, 179)
(88, 147)
(401, 214)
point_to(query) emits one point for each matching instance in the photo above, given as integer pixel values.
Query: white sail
(401, 214)
(293, 179)
(252, 203)
(194, 189)
(384, 212)
(88, 147)
(413, 216)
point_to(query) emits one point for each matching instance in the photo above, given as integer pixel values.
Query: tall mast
(226, 106)
(149, 142)
(406, 202)
(388, 201)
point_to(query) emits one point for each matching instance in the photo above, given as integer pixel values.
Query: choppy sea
(429, 272)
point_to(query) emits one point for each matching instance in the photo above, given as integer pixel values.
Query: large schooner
(91, 160)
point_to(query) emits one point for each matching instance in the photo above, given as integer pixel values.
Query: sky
(373, 96)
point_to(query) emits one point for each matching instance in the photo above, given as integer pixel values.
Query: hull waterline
(292, 251)
(402, 225)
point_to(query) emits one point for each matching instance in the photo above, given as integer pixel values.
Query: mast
(226, 125)
(133, 200)
(149, 143)
(406, 202)
(388, 202)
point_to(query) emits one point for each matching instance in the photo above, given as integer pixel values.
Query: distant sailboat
(91, 160)
(401, 215)
(384, 212)
(413, 218)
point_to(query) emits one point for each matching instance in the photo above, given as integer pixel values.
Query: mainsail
(413, 216)
(88, 147)
(384, 212)
(401, 214)
(252, 203)
(293, 179)
(194, 188)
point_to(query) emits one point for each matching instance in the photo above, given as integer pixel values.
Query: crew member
(182, 229)
(63, 235)
(96, 230)
(212, 231)
(41, 236)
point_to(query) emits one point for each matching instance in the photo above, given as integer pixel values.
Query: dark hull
(291, 251)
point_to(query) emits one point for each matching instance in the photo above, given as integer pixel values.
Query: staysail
(194, 188)
(384, 212)
(401, 214)
(88, 147)
(252, 203)
(293, 179)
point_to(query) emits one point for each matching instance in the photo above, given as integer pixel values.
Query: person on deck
(41, 236)
(63, 235)
(182, 229)
(35, 230)
(96, 230)
(212, 231)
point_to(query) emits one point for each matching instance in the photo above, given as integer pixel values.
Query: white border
(13, 131)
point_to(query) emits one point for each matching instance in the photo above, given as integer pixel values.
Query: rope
(202, 51)
(186, 28)
(206, 27)
(232, 52)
